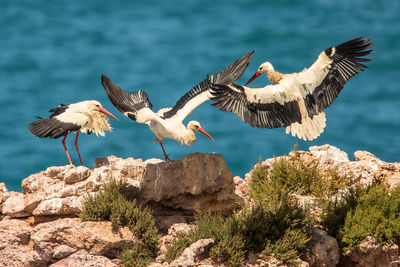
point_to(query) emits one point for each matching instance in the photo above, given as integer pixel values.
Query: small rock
(197, 251)
(76, 175)
(322, 250)
(14, 206)
(63, 251)
(179, 229)
(83, 258)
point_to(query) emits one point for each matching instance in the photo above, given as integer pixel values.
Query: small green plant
(229, 246)
(288, 246)
(293, 175)
(373, 211)
(377, 214)
(117, 203)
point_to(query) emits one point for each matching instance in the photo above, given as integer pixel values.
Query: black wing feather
(346, 59)
(52, 128)
(263, 115)
(227, 76)
(131, 103)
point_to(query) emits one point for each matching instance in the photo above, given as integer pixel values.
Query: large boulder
(198, 182)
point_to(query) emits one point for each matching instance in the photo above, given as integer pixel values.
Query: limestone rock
(21, 256)
(197, 182)
(196, 252)
(329, 155)
(371, 253)
(98, 238)
(241, 187)
(14, 232)
(322, 250)
(83, 258)
(14, 205)
(179, 229)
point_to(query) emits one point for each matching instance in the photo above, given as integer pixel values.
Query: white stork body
(168, 122)
(296, 101)
(86, 116)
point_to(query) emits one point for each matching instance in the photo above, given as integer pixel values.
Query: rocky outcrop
(198, 182)
(39, 226)
(371, 253)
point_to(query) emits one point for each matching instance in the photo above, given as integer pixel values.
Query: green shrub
(228, 245)
(117, 203)
(275, 225)
(377, 214)
(292, 175)
(334, 211)
(288, 246)
(373, 211)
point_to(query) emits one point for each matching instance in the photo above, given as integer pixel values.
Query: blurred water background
(54, 52)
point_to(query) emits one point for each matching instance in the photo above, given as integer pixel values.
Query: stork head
(264, 67)
(93, 105)
(195, 125)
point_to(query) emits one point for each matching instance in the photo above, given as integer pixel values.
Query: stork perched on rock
(167, 122)
(297, 100)
(86, 116)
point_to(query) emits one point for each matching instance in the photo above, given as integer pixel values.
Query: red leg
(76, 145)
(162, 147)
(66, 151)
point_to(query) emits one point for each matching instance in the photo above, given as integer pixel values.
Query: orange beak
(252, 78)
(105, 111)
(205, 133)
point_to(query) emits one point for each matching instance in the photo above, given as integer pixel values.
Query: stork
(296, 101)
(167, 122)
(86, 116)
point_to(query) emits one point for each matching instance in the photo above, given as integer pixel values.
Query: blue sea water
(54, 52)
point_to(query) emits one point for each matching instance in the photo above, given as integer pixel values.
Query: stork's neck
(188, 137)
(97, 123)
(274, 76)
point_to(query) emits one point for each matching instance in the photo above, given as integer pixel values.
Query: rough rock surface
(65, 236)
(198, 182)
(371, 253)
(39, 227)
(83, 258)
(322, 250)
(195, 253)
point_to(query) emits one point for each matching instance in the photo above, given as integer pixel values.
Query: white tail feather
(309, 129)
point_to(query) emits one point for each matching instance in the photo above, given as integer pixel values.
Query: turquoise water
(54, 52)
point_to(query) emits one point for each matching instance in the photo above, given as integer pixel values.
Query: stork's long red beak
(252, 78)
(205, 133)
(105, 111)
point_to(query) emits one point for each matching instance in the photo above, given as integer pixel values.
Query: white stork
(167, 122)
(86, 116)
(297, 100)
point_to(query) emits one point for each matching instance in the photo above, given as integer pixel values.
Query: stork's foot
(166, 156)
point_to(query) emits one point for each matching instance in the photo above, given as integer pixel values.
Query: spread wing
(263, 107)
(346, 61)
(135, 106)
(199, 93)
